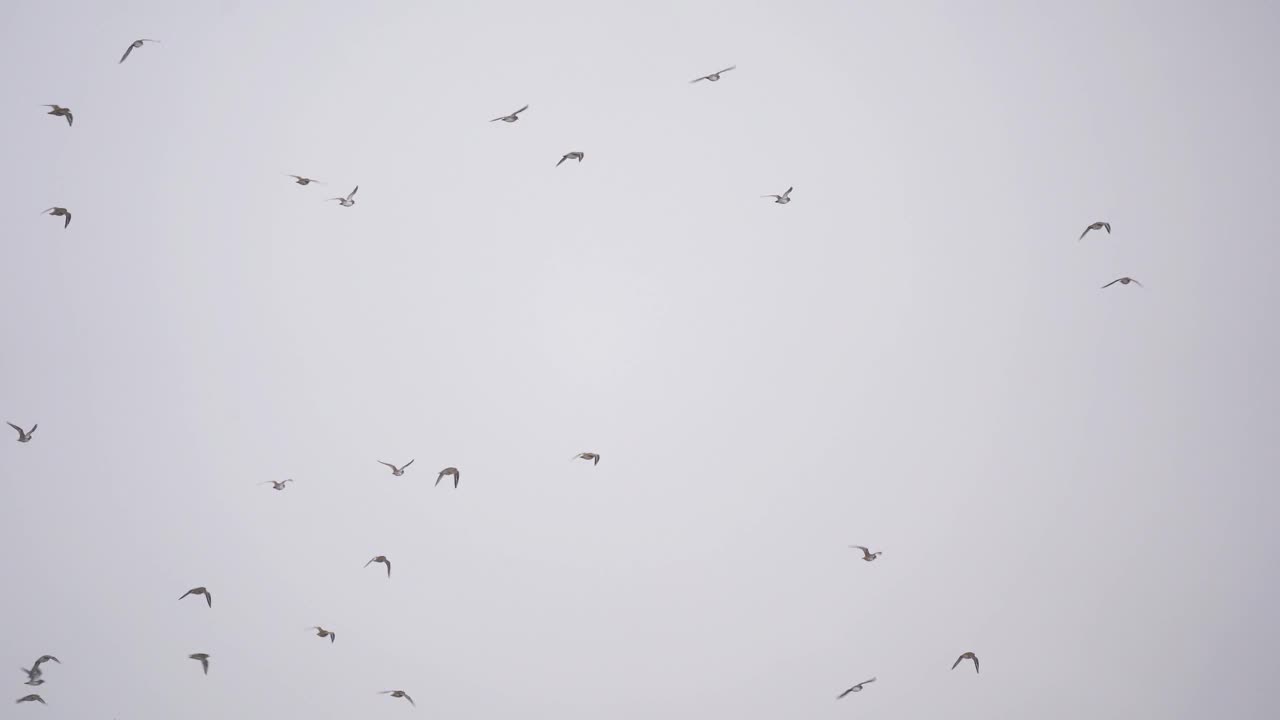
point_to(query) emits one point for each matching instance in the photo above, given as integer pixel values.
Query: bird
(575, 155)
(866, 553)
(381, 559)
(966, 656)
(321, 632)
(449, 471)
(35, 667)
(512, 117)
(1123, 281)
(133, 45)
(713, 77)
(23, 435)
(593, 457)
(59, 111)
(346, 201)
(782, 199)
(277, 484)
(307, 181)
(32, 698)
(397, 471)
(59, 212)
(204, 660)
(33, 675)
(399, 694)
(1100, 225)
(208, 596)
(855, 688)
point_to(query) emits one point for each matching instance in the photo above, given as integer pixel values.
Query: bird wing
(68, 220)
(704, 77)
(411, 702)
(526, 107)
(957, 662)
(204, 663)
(393, 467)
(352, 193)
(333, 636)
(1108, 227)
(1086, 232)
(975, 664)
(1131, 279)
(388, 564)
(406, 465)
(566, 157)
(20, 434)
(595, 460)
(788, 192)
(438, 478)
(70, 118)
(370, 562)
(208, 597)
(1113, 282)
(185, 594)
(126, 53)
(497, 118)
(846, 692)
(727, 69)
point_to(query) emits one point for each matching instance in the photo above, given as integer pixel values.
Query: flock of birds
(35, 674)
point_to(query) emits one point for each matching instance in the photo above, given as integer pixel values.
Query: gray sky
(1077, 485)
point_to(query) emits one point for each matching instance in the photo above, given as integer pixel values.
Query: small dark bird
(381, 559)
(449, 471)
(133, 46)
(277, 484)
(782, 199)
(512, 117)
(204, 660)
(397, 471)
(59, 111)
(35, 667)
(32, 698)
(713, 77)
(60, 212)
(399, 694)
(304, 180)
(23, 435)
(575, 155)
(1123, 281)
(966, 656)
(593, 457)
(321, 632)
(346, 201)
(866, 553)
(208, 596)
(1096, 226)
(855, 688)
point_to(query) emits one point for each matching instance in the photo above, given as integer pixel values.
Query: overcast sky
(915, 354)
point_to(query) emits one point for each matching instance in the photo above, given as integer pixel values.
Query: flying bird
(1100, 225)
(32, 698)
(512, 117)
(1123, 281)
(321, 632)
(575, 155)
(713, 77)
(208, 596)
(397, 471)
(399, 694)
(59, 212)
(381, 559)
(307, 181)
(35, 667)
(24, 435)
(347, 201)
(33, 675)
(866, 553)
(277, 484)
(449, 471)
(782, 199)
(204, 660)
(966, 656)
(59, 111)
(134, 45)
(593, 457)
(855, 688)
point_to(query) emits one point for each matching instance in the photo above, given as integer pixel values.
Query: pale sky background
(1076, 484)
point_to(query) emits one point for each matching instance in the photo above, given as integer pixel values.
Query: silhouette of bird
(59, 212)
(575, 155)
(966, 656)
(866, 553)
(277, 484)
(1123, 281)
(321, 632)
(59, 111)
(35, 667)
(307, 181)
(204, 660)
(399, 694)
(593, 457)
(713, 77)
(23, 435)
(32, 698)
(133, 46)
(381, 559)
(397, 471)
(782, 199)
(855, 688)
(208, 596)
(1100, 225)
(512, 117)
(449, 471)
(346, 201)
